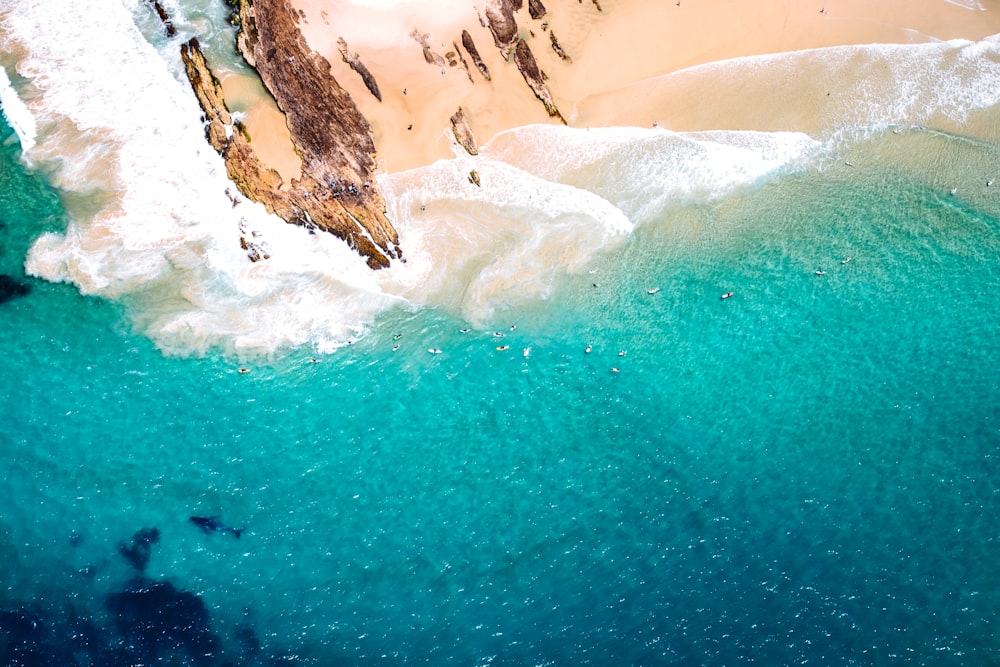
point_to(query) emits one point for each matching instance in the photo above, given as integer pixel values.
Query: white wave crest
(16, 112)
(116, 126)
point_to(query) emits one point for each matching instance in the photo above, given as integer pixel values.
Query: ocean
(545, 440)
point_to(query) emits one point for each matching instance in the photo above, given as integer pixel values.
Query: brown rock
(470, 46)
(557, 47)
(534, 77)
(536, 9)
(208, 90)
(500, 18)
(354, 61)
(465, 65)
(335, 191)
(463, 133)
(429, 55)
(168, 25)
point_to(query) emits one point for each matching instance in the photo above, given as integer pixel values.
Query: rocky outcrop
(208, 90)
(168, 25)
(335, 192)
(470, 47)
(354, 62)
(557, 47)
(465, 65)
(500, 19)
(429, 55)
(463, 133)
(535, 79)
(536, 9)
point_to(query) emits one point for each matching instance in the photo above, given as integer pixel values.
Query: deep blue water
(805, 472)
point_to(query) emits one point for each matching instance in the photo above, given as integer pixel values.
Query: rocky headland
(336, 190)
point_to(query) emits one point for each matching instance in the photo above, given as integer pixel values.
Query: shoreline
(411, 125)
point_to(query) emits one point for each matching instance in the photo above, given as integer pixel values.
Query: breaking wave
(118, 129)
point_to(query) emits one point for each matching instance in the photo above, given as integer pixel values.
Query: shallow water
(804, 471)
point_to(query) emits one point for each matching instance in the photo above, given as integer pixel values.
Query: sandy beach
(617, 55)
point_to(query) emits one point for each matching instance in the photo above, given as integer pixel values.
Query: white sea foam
(643, 172)
(846, 89)
(114, 118)
(16, 112)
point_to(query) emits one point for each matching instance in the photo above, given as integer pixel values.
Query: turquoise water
(805, 472)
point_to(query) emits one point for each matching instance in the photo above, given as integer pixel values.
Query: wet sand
(617, 55)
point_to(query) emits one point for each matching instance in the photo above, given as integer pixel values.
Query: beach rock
(463, 133)
(336, 191)
(256, 250)
(461, 59)
(429, 55)
(208, 90)
(354, 61)
(474, 178)
(536, 9)
(557, 47)
(168, 25)
(470, 47)
(500, 19)
(534, 77)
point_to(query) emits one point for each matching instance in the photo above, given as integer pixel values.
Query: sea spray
(119, 129)
(113, 119)
(644, 172)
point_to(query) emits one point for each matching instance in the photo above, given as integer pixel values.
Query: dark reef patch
(157, 618)
(139, 552)
(12, 288)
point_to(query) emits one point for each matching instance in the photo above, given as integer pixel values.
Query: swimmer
(653, 290)
(464, 330)
(622, 353)
(503, 347)
(513, 326)
(434, 350)
(614, 369)
(243, 370)
(845, 260)
(395, 347)
(821, 273)
(497, 334)
(589, 348)
(727, 295)
(397, 336)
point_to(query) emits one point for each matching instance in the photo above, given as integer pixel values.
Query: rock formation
(470, 46)
(535, 79)
(354, 62)
(335, 192)
(557, 47)
(536, 9)
(463, 133)
(168, 25)
(465, 65)
(429, 55)
(500, 19)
